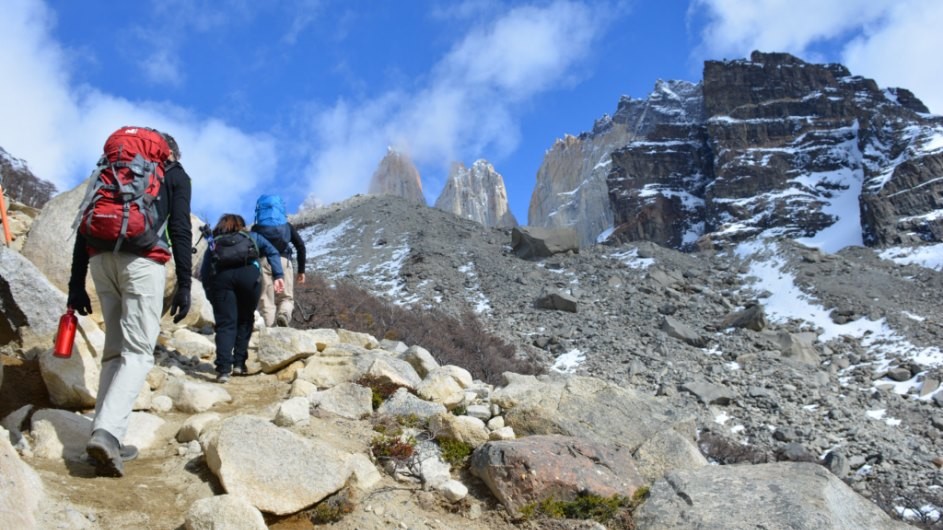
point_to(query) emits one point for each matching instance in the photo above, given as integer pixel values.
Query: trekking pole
(4, 219)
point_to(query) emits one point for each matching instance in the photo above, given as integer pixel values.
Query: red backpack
(119, 211)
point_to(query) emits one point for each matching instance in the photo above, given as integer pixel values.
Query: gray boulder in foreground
(783, 495)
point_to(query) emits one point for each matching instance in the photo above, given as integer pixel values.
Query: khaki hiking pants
(273, 305)
(131, 291)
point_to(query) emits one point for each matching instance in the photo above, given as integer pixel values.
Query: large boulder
(792, 495)
(532, 469)
(586, 407)
(279, 472)
(73, 382)
(21, 490)
(30, 306)
(531, 242)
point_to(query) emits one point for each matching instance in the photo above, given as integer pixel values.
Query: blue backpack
(272, 222)
(270, 211)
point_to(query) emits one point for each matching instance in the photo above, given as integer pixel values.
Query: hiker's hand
(181, 305)
(300, 278)
(79, 301)
(279, 285)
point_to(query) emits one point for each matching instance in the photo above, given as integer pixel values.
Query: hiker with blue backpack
(231, 277)
(271, 221)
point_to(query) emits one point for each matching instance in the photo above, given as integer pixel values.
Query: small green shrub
(454, 451)
(411, 421)
(585, 506)
(381, 389)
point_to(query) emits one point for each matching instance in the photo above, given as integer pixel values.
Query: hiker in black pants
(230, 273)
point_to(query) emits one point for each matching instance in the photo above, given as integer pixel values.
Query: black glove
(79, 301)
(181, 304)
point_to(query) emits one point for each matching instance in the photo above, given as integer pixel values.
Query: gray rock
(287, 473)
(402, 403)
(676, 329)
(347, 400)
(224, 511)
(528, 470)
(557, 301)
(728, 496)
(531, 242)
(709, 393)
(586, 407)
(21, 489)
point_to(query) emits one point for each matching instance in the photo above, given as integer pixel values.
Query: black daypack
(234, 249)
(279, 236)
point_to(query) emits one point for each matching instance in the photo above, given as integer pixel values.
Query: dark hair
(174, 148)
(228, 223)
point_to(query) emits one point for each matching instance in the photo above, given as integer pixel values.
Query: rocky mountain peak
(397, 175)
(477, 193)
(770, 145)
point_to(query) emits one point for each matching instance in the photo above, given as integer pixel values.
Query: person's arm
(78, 297)
(299, 245)
(181, 239)
(181, 236)
(268, 250)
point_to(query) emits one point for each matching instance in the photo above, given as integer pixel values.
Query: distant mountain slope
(21, 184)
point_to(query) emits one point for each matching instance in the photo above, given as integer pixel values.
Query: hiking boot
(281, 321)
(222, 378)
(105, 452)
(240, 370)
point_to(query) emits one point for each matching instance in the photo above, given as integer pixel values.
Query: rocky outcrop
(769, 146)
(477, 193)
(397, 175)
(716, 496)
(571, 187)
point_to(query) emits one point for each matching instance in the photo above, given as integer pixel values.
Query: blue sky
(303, 97)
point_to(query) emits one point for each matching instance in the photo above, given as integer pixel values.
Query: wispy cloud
(59, 127)
(470, 102)
(896, 42)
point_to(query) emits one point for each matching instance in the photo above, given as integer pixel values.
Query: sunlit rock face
(767, 146)
(477, 193)
(397, 175)
(572, 187)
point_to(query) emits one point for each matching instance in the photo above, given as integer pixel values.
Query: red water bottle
(65, 337)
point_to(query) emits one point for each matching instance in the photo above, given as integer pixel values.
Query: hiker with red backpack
(137, 195)
(230, 274)
(272, 222)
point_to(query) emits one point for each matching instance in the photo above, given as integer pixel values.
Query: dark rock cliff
(774, 146)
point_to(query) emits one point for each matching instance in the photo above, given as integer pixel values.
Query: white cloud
(163, 68)
(893, 41)
(469, 103)
(59, 128)
(904, 51)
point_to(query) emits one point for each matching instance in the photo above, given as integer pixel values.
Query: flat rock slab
(784, 495)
